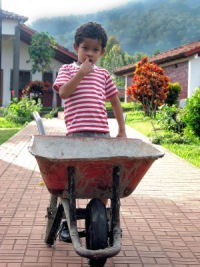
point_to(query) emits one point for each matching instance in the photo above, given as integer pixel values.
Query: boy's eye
(85, 48)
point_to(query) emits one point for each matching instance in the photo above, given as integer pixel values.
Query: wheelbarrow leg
(54, 216)
(53, 202)
(115, 204)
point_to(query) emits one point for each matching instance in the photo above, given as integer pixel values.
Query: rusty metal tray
(93, 159)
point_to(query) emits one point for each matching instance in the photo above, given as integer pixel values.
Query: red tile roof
(180, 52)
(13, 16)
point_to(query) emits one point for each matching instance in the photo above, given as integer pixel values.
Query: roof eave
(61, 53)
(13, 16)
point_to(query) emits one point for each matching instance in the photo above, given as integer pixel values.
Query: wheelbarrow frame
(54, 213)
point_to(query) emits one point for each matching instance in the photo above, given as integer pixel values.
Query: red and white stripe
(85, 108)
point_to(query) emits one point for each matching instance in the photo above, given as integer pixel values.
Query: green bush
(192, 112)
(130, 106)
(173, 94)
(20, 111)
(170, 118)
(52, 113)
(170, 138)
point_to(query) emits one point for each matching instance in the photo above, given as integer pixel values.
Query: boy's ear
(103, 51)
(75, 47)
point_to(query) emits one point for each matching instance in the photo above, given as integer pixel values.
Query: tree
(150, 86)
(41, 51)
(114, 58)
(138, 56)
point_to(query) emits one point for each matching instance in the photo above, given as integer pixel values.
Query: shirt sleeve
(62, 77)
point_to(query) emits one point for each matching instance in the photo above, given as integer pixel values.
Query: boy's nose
(89, 53)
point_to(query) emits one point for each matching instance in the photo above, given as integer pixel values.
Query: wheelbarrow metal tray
(93, 159)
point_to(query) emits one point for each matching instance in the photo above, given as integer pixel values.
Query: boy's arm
(118, 112)
(69, 87)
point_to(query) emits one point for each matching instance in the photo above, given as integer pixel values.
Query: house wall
(179, 73)
(7, 66)
(8, 27)
(129, 79)
(193, 74)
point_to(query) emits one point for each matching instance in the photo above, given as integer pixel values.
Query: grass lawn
(5, 134)
(190, 152)
(7, 129)
(187, 151)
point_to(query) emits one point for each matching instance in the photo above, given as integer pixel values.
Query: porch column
(16, 56)
(126, 84)
(54, 97)
(1, 71)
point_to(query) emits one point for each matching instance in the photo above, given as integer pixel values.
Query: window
(24, 79)
(47, 77)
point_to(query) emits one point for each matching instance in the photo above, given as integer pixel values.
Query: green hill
(145, 26)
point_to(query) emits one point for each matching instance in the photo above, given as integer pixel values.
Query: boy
(85, 88)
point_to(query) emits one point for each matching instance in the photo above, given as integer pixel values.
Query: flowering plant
(150, 86)
(36, 88)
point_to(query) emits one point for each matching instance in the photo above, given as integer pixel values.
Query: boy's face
(89, 48)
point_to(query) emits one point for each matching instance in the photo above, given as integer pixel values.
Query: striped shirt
(84, 109)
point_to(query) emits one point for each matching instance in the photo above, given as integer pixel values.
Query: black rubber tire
(96, 229)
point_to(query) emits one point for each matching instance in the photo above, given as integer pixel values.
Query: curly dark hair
(91, 30)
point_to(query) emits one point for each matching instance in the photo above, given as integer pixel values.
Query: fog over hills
(144, 26)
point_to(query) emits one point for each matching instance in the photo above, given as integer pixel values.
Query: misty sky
(34, 9)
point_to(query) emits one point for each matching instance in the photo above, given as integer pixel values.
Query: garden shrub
(170, 118)
(192, 112)
(150, 86)
(52, 113)
(173, 94)
(20, 111)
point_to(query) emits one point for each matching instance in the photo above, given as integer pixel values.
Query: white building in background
(9, 23)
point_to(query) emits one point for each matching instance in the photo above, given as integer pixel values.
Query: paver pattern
(160, 220)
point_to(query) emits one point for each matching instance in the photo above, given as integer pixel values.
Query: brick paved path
(160, 220)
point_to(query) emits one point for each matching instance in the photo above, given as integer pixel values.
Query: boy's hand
(86, 67)
(122, 134)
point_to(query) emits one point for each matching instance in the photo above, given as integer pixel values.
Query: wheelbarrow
(90, 168)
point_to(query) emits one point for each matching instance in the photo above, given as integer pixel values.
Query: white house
(16, 38)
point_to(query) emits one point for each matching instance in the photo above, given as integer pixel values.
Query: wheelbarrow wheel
(96, 230)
